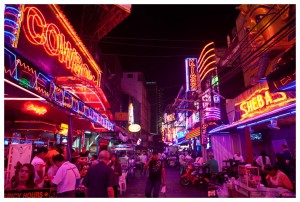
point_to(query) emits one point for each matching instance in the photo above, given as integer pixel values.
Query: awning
(280, 113)
(193, 133)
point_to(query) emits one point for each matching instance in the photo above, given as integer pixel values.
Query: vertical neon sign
(190, 71)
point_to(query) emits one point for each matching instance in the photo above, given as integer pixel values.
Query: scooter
(193, 177)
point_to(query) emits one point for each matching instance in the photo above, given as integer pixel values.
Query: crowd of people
(100, 174)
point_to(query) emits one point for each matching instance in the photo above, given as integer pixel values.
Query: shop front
(260, 121)
(52, 83)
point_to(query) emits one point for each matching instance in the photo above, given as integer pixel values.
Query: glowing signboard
(261, 101)
(191, 77)
(130, 114)
(206, 62)
(42, 33)
(134, 128)
(39, 110)
(21, 72)
(169, 117)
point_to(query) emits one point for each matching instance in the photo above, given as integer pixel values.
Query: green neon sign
(215, 81)
(24, 82)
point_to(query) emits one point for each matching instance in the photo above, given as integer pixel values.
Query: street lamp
(134, 128)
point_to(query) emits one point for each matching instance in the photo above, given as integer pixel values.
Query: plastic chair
(122, 183)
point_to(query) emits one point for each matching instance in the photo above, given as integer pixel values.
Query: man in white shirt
(65, 178)
(143, 158)
(238, 157)
(39, 166)
(199, 159)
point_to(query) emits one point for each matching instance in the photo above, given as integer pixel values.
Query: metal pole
(70, 138)
(248, 145)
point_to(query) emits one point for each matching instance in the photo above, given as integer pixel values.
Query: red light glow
(39, 32)
(38, 110)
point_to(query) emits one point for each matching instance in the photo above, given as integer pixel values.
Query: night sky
(155, 39)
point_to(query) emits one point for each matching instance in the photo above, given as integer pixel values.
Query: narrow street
(136, 187)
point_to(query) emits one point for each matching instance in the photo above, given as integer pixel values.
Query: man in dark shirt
(286, 154)
(99, 178)
(212, 164)
(157, 175)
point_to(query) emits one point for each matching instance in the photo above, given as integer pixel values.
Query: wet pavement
(136, 187)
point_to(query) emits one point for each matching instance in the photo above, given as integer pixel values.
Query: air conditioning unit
(273, 124)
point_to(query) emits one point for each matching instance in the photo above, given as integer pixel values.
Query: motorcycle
(192, 176)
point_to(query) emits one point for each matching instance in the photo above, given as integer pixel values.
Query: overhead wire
(262, 50)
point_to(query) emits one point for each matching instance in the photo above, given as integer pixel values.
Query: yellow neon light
(211, 69)
(207, 59)
(39, 32)
(259, 102)
(204, 49)
(212, 62)
(200, 63)
(268, 108)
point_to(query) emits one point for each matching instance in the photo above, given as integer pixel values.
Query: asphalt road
(136, 187)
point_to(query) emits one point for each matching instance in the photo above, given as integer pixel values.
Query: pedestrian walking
(99, 179)
(116, 166)
(157, 175)
(143, 158)
(65, 177)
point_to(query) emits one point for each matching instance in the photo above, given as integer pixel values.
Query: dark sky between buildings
(156, 39)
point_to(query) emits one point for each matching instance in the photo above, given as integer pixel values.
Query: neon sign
(191, 77)
(169, 117)
(130, 114)
(215, 81)
(38, 110)
(48, 35)
(38, 83)
(12, 21)
(260, 101)
(24, 82)
(206, 62)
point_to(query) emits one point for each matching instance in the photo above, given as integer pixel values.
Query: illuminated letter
(268, 98)
(254, 103)
(249, 105)
(244, 109)
(260, 101)
(52, 43)
(34, 26)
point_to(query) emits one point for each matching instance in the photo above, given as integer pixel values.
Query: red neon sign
(38, 110)
(48, 35)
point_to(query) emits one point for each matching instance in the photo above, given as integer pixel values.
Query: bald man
(99, 178)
